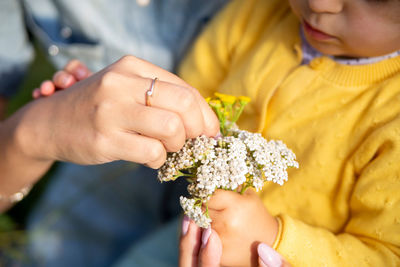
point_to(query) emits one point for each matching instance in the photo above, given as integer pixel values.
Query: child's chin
(329, 49)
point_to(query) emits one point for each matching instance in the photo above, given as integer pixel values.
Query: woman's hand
(203, 248)
(104, 117)
(101, 119)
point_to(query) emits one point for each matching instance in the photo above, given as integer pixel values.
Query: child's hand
(242, 222)
(74, 71)
(203, 248)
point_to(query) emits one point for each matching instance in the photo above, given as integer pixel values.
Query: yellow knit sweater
(342, 206)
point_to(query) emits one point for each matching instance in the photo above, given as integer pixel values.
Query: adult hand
(104, 117)
(203, 248)
(198, 248)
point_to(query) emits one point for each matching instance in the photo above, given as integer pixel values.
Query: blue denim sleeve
(15, 50)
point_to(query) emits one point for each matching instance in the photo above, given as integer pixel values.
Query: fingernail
(47, 88)
(269, 256)
(81, 73)
(66, 79)
(185, 224)
(218, 135)
(205, 236)
(36, 93)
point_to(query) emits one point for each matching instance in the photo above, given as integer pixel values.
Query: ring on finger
(150, 92)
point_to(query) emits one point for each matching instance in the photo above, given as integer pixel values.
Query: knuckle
(172, 125)
(194, 131)
(155, 165)
(126, 59)
(108, 80)
(186, 100)
(233, 222)
(176, 146)
(155, 154)
(212, 125)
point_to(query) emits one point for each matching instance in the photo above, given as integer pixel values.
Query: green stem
(244, 188)
(206, 213)
(238, 113)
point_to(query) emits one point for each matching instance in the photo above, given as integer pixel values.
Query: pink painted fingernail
(36, 93)
(67, 79)
(185, 224)
(205, 236)
(47, 88)
(81, 73)
(269, 256)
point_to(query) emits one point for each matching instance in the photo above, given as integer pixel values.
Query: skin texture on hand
(203, 248)
(242, 222)
(108, 107)
(102, 118)
(193, 252)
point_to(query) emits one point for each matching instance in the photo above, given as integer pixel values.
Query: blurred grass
(39, 70)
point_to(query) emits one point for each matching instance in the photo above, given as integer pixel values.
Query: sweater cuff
(279, 234)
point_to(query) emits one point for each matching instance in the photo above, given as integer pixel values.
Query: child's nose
(326, 6)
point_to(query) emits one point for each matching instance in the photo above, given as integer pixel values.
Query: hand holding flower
(242, 222)
(203, 248)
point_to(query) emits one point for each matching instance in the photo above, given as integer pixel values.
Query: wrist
(278, 235)
(29, 134)
(274, 230)
(19, 149)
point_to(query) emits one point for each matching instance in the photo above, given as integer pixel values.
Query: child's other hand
(74, 71)
(242, 222)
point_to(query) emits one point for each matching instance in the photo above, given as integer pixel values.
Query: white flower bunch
(234, 161)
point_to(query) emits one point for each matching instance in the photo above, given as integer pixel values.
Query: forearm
(18, 168)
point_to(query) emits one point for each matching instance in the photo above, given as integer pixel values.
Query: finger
(137, 148)
(77, 69)
(169, 97)
(63, 79)
(211, 122)
(36, 93)
(261, 263)
(286, 264)
(157, 123)
(47, 88)
(181, 101)
(146, 69)
(189, 245)
(267, 256)
(218, 218)
(211, 249)
(222, 199)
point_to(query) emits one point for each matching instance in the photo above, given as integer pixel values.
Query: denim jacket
(97, 32)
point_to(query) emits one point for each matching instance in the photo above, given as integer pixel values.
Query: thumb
(211, 249)
(268, 257)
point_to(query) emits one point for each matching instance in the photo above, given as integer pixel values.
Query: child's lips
(315, 33)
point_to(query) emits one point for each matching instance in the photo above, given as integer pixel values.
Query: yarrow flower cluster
(235, 161)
